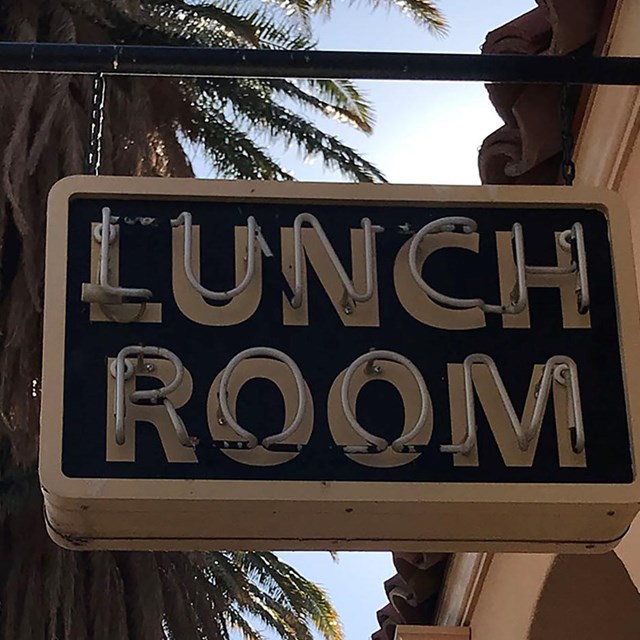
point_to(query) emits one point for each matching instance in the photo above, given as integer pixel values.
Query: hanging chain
(566, 123)
(94, 156)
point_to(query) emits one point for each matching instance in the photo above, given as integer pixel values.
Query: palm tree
(46, 592)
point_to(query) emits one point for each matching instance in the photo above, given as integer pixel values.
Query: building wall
(546, 597)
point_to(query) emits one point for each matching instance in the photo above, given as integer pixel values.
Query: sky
(425, 133)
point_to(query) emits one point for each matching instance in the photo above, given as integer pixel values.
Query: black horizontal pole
(204, 62)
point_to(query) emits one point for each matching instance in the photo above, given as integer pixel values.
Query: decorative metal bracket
(104, 292)
(350, 294)
(376, 443)
(124, 370)
(562, 369)
(249, 439)
(254, 234)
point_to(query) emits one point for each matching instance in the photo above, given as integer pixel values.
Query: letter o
(277, 367)
(402, 374)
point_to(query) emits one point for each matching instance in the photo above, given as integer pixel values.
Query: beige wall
(547, 597)
(506, 605)
(587, 598)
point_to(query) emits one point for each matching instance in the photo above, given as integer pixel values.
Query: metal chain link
(94, 156)
(566, 123)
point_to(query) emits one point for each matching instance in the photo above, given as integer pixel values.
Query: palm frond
(423, 12)
(228, 23)
(262, 115)
(345, 94)
(288, 586)
(208, 15)
(358, 114)
(233, 153)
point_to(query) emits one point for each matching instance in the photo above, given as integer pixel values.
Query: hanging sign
(254, 365)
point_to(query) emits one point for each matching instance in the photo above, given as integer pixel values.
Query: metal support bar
(193, 61)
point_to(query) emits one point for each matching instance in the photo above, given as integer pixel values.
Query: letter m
(478, 382)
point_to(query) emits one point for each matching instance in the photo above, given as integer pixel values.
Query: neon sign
(317, 351)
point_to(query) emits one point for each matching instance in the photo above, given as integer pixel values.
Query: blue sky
(426, 133)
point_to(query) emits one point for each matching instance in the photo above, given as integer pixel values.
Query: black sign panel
(325, 345)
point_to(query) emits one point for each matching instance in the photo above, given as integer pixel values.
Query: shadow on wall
(587, 598)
